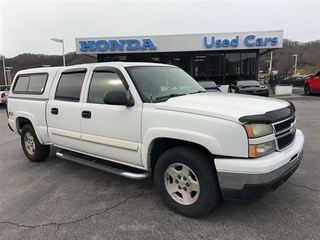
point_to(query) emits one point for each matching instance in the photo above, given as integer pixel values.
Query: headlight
(257, 150)
(255, 130)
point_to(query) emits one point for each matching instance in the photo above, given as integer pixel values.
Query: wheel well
(161, 145)
(21, 121)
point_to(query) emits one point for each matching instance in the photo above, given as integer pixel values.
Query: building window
(208, 66)
(178, 59)
(222, 67)
(232, 61)
(112, 58)
(239, 66)
(248, 65)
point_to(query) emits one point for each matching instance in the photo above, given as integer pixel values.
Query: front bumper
(248, 180)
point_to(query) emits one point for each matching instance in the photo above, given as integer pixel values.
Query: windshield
(159, 83)
(248, 83)
(208, 84)
(4, 88)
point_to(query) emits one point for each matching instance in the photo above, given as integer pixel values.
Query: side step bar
(93, 163)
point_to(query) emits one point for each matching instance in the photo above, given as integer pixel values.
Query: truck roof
(88, 65)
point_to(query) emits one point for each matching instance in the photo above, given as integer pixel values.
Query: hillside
(283, 61)
(27, 60)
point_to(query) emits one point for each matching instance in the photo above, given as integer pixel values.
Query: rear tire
(187, 181)
(31, 146)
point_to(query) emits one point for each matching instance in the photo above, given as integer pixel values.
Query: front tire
(31, 146)
(307, 90)
(187, 181)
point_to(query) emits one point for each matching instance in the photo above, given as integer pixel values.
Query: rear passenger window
(69, 86)
(30, 84)
(37, 83)
(101, 83)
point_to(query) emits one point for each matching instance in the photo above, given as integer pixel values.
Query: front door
(110, 131)
(316, 82)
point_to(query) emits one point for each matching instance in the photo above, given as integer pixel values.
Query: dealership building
(223, 57)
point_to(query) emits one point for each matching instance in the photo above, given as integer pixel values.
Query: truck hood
(222, 105)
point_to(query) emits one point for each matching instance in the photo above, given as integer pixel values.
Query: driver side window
(101, 83)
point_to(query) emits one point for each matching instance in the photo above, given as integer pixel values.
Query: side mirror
(117, 98)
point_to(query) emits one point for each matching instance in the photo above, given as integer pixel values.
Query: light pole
(8, 70)
(270, 65)
(295, 63)
(60, 41)
(4, 70)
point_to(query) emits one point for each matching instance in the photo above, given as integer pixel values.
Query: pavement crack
(296, 185)
(78, 220)
(9, 142)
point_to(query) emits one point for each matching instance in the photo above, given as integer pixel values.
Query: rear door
(112, 132)
(64, 109)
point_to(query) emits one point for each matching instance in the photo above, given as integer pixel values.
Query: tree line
(28, 60)
(308, 58)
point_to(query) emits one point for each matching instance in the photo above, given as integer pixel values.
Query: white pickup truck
(4, 91)
(144, 119)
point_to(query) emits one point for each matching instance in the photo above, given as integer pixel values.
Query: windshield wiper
(201, 91)
(169, 96)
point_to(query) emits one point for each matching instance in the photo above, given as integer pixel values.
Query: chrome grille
(285, 140)
(285, 132)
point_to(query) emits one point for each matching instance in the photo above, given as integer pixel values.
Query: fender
(41, 131)
(152, 134)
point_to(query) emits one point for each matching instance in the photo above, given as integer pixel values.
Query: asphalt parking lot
(58, 199)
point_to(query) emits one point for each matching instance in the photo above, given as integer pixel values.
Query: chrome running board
(92, 162)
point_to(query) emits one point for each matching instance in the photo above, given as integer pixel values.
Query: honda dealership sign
(180, 43)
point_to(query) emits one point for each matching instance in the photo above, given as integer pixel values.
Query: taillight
(3, 95)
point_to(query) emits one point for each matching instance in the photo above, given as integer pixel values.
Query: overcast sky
(27, 26)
